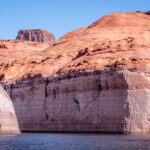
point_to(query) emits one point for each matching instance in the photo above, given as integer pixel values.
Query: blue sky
(59, 16)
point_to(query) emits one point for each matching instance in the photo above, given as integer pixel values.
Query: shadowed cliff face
(93, 79)
(79, 102)
(100, 101)
(36, 36)
(8, 121)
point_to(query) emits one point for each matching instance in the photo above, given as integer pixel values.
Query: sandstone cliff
(37, 35)
(8, 120)
(93, 79)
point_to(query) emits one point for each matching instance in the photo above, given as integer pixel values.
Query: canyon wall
(109, 101)
(8, 120)
(93, 79)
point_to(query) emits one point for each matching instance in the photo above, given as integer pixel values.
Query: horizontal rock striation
(82, 102)
(100, 101)
(8, 120)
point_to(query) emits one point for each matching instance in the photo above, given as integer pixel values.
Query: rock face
(36, 36)
(94, 79)
(8, 120)
(147, 13)
(83, 102)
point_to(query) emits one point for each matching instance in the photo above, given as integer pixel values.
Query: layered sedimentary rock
(8, 120)
(84, 102)
(94, 79)
(36, 35)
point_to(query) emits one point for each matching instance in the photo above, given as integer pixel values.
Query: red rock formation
(3, 46)
(147, 13)
(37, 35)
(95, 78)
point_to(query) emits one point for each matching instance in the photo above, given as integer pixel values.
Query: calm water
(55, 141)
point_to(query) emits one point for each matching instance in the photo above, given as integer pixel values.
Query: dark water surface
(57, 141)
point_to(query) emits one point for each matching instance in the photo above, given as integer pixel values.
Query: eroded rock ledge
(99, 101)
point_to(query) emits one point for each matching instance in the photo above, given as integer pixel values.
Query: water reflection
(55, 141)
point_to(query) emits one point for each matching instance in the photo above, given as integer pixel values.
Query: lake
(62, 141)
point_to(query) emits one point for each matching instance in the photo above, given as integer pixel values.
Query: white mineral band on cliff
(8, 120)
